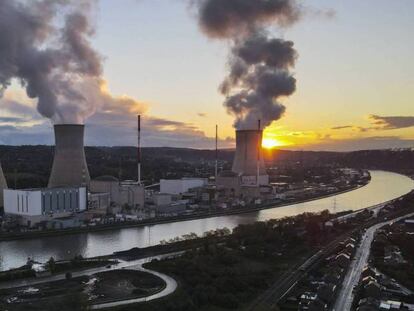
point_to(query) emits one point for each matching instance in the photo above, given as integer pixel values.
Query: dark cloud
(368, 143)
(12, 119)
(380, 123)
(391, 122)
(342, 127)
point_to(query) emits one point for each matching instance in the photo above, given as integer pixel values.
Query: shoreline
(38, 234)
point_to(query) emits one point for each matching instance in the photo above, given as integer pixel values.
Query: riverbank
(151, 222)
(384, 186)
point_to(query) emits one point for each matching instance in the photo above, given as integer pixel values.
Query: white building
(179, 186)
(121, 192)
(32, 206)
(162, 199)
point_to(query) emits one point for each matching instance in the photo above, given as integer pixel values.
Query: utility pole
(259, 142)
(139, 150)
(216, 166)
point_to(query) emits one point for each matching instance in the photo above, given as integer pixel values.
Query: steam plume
(259, 73)
(53, 60)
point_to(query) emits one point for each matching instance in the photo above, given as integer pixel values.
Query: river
(384, 186)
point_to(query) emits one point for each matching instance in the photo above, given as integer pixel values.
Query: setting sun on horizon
(270, 143)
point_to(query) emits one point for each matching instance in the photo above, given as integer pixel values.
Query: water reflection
(384, 186)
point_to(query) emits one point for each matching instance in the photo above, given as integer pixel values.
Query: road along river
(384, 186)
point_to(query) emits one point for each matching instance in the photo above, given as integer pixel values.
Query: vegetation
(126, 284)
(229, 274)
(29, 166)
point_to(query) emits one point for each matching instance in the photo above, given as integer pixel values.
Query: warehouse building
(32, 206)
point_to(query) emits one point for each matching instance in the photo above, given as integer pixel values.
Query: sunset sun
(270, 143)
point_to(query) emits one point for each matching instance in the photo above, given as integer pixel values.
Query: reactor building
(248, 175)
(69, 164)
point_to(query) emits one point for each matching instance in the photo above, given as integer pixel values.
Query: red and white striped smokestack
(216, 164)
(259, 149)
(3, 185)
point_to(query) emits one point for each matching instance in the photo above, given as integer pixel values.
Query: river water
(384, 186)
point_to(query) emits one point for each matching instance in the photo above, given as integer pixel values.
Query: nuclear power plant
(72, 198)
(3, 185)
(69, 164)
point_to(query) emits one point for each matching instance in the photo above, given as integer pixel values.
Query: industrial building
(3, 185)
(180, 186)
(121, 193)
(33, 206)
(99, 203)
(69, 164)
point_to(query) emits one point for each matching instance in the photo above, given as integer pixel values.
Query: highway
(346, 296)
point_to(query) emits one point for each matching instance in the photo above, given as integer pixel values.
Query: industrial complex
(73, 199)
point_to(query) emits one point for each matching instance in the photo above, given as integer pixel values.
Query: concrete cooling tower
(248, 159)
(3, 185)
(69, 164)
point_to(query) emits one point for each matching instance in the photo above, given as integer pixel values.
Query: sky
(354, 72)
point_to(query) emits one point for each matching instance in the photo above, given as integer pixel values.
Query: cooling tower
(249, 157)
(3, 185)
(248, 151)
(69, 164)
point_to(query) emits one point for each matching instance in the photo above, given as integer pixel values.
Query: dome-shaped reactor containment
(69, 164)
(3, 185)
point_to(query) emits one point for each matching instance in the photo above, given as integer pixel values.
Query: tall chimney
(69, 164)
(216, 164)
(248, 159)
(259, 154)
(3, 185)
(139, 150)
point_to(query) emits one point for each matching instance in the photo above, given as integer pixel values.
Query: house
(368, 272)
(393, 256)
(350, 249)
(390, 305)
(306, 300)
(326, 292)
(372, 289)
(318, 305)
(368, 304)
(343, 260)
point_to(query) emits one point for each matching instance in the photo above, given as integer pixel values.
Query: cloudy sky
(354, 77)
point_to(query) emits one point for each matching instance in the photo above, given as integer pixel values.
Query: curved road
(171, 284)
